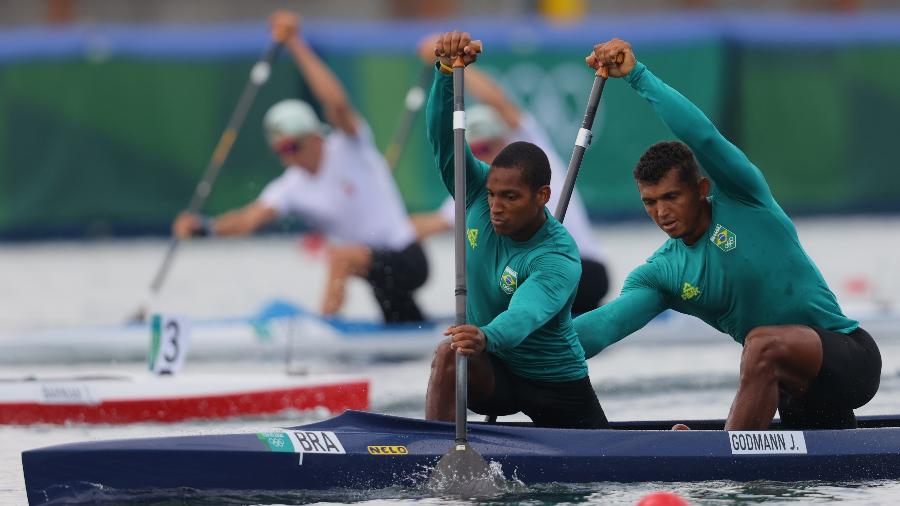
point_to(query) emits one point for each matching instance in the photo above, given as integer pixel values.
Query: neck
(703, 220)
(529, 230)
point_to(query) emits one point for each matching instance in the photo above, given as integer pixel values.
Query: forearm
(684, 118)
(612, 322)
(428, 224)
(325, 86)
(485, 89)
(242, 221)
(510, 328)
(539, 299)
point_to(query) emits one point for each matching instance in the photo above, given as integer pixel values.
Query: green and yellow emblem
(724, 239)
(509, 280)
(472, 235)
(689, 291)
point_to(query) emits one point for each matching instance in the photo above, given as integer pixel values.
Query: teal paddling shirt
(519, 293)
(748, 270)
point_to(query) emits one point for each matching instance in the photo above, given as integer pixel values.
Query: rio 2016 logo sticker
(388, 450)
(724, 239)
(509, 280)
(759, 442)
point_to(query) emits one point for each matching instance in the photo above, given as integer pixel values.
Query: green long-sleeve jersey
(749, 269)
(519, 293)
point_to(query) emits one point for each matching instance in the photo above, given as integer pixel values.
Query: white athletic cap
(291, 118)
(483, 122)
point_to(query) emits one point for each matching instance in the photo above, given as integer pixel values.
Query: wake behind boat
(359, 450)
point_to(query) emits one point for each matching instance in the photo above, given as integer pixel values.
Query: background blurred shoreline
(61, 283)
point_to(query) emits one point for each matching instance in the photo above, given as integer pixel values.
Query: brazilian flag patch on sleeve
(509, 280)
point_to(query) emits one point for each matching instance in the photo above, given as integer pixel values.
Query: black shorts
(394, 276)
(592, 287)
(849, 378)
(564, 404)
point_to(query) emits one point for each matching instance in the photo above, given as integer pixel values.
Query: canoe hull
(365, 451)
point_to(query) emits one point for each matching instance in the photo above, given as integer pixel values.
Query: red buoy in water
(662, 499)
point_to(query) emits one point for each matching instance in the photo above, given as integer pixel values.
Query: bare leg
(345, 261)
(785, 355)
(440, 400)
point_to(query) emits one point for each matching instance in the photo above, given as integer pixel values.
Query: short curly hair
(664, 156)
(529, 159)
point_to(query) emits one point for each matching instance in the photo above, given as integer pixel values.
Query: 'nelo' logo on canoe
(388, 450)
(724, 239)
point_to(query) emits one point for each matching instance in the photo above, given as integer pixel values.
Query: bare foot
(680, 426)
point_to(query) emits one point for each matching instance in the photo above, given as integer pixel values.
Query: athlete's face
(516, 210)
(304, 151)
(679, 208)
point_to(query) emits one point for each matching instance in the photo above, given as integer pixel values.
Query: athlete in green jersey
(522, 271)
(734, 260)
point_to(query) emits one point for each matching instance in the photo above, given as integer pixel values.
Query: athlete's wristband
(444, 68)
(207, 227)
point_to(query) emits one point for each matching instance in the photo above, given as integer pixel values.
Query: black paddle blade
(463, 472)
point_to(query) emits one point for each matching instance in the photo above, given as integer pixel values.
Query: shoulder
(665, 250)
(557, 246)
(648, 273)
(559, 233)
(280, 192)
(362, 137)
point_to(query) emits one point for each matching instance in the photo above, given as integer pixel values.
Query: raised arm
(727, 166)
(439, 126)
(485, 89)
(324, 84)
(638, 303)
(480, 85)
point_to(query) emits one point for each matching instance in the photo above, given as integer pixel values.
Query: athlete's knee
(764, 349)
(443, 363)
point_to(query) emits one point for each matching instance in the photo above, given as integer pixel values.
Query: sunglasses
(287, 147)
(480, 148)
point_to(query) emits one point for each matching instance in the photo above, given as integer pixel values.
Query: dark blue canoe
(359, 450)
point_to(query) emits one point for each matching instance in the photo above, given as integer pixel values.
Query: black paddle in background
(258, 76)
(412, 104)
(462, 471)
(582, 142)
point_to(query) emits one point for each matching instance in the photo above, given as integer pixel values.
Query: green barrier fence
(116, 146)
